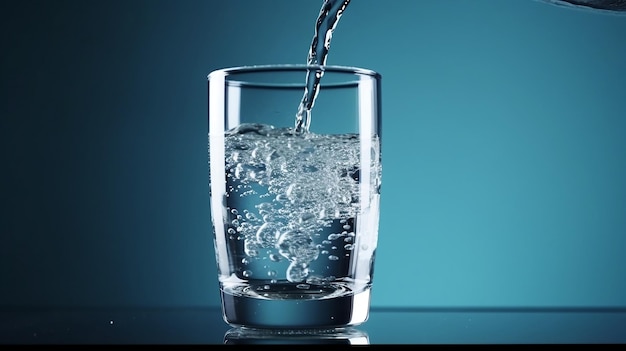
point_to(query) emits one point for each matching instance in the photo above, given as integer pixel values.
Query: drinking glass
(295, 213)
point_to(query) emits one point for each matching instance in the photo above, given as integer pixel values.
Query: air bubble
(273, 156)
(257, 153)
(251, 248)
(268, 234)
(297, 246)
(245, 228)
(257, 173)
(316, 280)
(269, 218)
(295, 192)
(333, 236)
(265, 206)
(275, 257)
(333, 258)
(239, 172)
(306, 217)
(297, 272)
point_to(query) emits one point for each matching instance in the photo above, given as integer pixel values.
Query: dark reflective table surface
(385, 326)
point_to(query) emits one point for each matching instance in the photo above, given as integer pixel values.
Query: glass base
(284, 310)
(251, 336)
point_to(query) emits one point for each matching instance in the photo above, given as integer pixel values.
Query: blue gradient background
(504, 147)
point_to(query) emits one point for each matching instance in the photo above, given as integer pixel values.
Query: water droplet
(247, 273)
(333, 258)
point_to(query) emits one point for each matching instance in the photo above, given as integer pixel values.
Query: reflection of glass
(295, 213)
(347, 336)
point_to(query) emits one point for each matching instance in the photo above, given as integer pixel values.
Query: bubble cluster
(286, 187)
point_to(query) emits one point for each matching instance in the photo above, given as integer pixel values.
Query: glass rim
(224, 72)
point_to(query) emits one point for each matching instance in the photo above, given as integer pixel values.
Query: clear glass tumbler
(295, 212)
